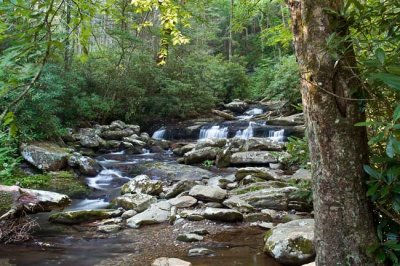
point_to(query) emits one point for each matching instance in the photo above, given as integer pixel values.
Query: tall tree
(344, 223)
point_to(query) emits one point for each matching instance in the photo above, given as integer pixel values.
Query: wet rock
(88, 166)
(138, 202)
(134, 140)
(223, 158)
(293, 120)
(238, 204)
(261, 144)
(184, 149)
(207, 143)
(291, 243)
(302, 174)
(207, 193)
(116, 134)
(260, 172)
(91, 140)
(144, 137)
(257, 186)
(77, 217)
(183, 202)
(181, 186)
(128, 214)
(16, 201)
(157, 213)
(223, 215)
(117, 124)
(189, 238)
(250, 180)
(201, 155)
(46, 156)
(170, 262)
(214, 205)
(200, 231)
(265, 225)
(258, 217)
(237, 106)
(142, 184)
(192, 215)
(253, 157)
(110, 228)
(197, 252)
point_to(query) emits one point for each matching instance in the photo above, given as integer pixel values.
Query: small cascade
(90, 204)
(216, 132)
(277, 135)
(246, 133)
(159, 134)
(107, 179)
(255, 111)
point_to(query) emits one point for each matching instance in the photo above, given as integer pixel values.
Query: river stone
(292, 242)
(192, 215)
(200, 231)
(184, 149)
(201, 155)
(46, 156)
(170, 262)
(30, 201)
(253, 157)
(142, 184)
(261, 144)
(257, 217)
(183, 202)
(257, 186)
(302, 174)
(82, 216)
(138, 202)
(292, 120)
(223, 215)
(196, 252)
(117, 134)
(207, 193)
(217, 143)
(109, 228)
(134, 140)
(128, 214)
(88, 166)
(189, 238)
(237, 106)
(157, 213)
(238, 204)
(260, 172)
(181, 186)
(174, 172)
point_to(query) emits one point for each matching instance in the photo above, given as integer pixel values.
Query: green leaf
(396, 114)
(390, 151)
(389, 79)
(394, 69)
(372, 172)
(380, 55)
(372, 190)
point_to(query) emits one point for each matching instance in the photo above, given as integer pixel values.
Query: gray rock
(238, 204)
(142, 184)
(250, 180)
(293, 120)
(181, 186)
(201, 155)
(183, 202)
(128, 214)
(223, 215)
(134, 140)
(117, 134)
(291, 243)
(82, 216)
(257, 186)
(237, 106)
(260, 172)
(88, 166)
(253, 157)
(204, 143)
(214, 205)
(157, 213)
(45, 156)
(189, 238)
(192, 215)
(261, 144)
(184, 149)
(118, 124)
(302, 174)
(170, 262)
(207, 193)
(258, 217)
(200, 231)
(196, 252)
(137, 202)
(109, 228)
(265, 225)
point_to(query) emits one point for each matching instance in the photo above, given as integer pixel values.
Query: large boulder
(216, 143)
(142, 184)
(46, 156)
(223, 215)
(181, 186)
(16, 201)
(174, 172)
(180, 151)
(201, 155)
(117, 134)
(88, 166)
(291, 243)
(237, 106)
(82, 216)
(261, 144)
(183, 202)
(260, 172)
(238, 204)
(157, 213)
(293, 120)
(138, 202)
(253, 157)
(207, 193)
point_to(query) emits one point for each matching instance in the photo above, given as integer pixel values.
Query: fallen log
(224, 115)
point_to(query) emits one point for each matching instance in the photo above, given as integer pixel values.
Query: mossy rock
(6, 201)
(77, 217)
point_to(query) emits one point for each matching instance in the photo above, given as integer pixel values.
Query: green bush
(299, 152)
(9, 159)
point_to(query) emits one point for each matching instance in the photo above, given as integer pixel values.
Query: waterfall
(254, 111)
(277, 135)
(214, 132)
(159, 134)
(246, 133)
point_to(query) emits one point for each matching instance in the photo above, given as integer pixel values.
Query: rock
(223, 215)
(293, 120)
(88, 166)
(224, 115)
(189, 238)
(291, 243)
(157, 213)
(223, 158)
(207, 193)
(302, 174)
(181, 186)
(201, 232)
(184, 149)
(183, 202)
(201, 155)
(309, 264)
(261, 144)
(238, 204)
(275, 166)
(138, 202)
(250, 180)
(111, 228)
(258, 186)
(17, 201)
(135, 128)
(134, 140)
(265, 225)
(210, 143)
(117, 134)
(214, 205)
(91, 141)
(170, 262)
(77, 217)
(118, 124)
(237, 106)
(253, 157)
(174, 172)
(274, 105)
(192, 215)
(143, 184)
(257, 217)
(260, 172)
(46, 156)
(271, 213)
(128, 214)
(112, 144)
(217, 181)
(196, 252)
(144, 137)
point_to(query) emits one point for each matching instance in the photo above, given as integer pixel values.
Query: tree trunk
(343, 217)
(230, 43)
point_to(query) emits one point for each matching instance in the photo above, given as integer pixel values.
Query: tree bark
(343, 217)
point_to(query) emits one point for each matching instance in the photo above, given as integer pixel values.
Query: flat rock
(261, 144)
(201, 155)
(253, 157)
(170, 262)
(144, 185)
(207, 193)
(223, 215)
(197, 252)
(181, 186)
(138, 202)
(189, 238)
(77, 217)
(109, 228)
(46, 156)
(183, 202)
(302, 174)
(157, 213)
(260, 172)
(238, 204)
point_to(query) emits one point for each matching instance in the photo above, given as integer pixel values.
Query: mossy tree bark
(343, 217)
